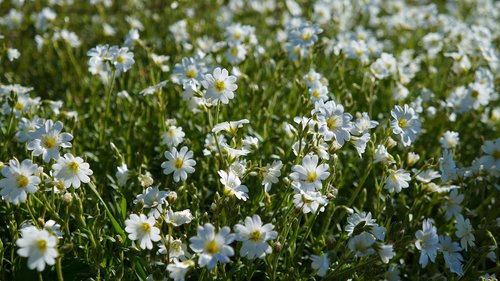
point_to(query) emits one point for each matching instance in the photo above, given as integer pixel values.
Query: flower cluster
(257, 140)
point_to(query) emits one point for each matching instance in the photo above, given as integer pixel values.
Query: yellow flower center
(234, 51)
(178, 163)
(237, 35)
(306, 200)
(450, 142)
(332, 123)
(49, 142)
(59, 185)
(146, 227)
(22, 181)
(307, 36)
(474, 94)
(255, 236)
(496, 154)
(403, 123)
(311, 176)
(358, 52)
(227, 191)
(19, 106)
(359, 247)
(73, 166)
(191, 73)
(219, 86)
(212, 247)
(42, 245)
(315, 94)
(176, 246)
(120, 59)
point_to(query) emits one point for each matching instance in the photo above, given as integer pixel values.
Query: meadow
(249, 140)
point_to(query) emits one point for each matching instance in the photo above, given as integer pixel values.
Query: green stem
(59, 269)
(108, 101)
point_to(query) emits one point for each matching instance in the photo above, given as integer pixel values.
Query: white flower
(427, 242)
(72, 170)
(178, 218)
(23, 104)
(272, 174)
(397, 180)
(358, 49)
(255, 236)
(176, 249)
(384, 66)
(386, 253)
(178, 270)
(179, 163)
(189, 71)
(427, 176)
(212, 247)
(381, 155)
(448, 167)
(26, 127)
(433, 43)
(452, 205)
(451, 254)
(358, 218)
(250, 143)
(47, 139)
(320, 263)
(161, 61)
(309, 201)
(449, 140)
(122, 174)
(232, 185)
(230, 127)
(154, 199)
(236, 53)
(13, 54)
(121, 58)
(492, 158)
(318, 92)
(54, 228)
(132, 37)
(305, 35)
(173, 137)
(333, 121)
(363, 124)
(312, 78)
(405, 124)
(153, 89)
(19, 180)
(142, 228)
(310, 174)
(362, 244)
(465, 232)
(39, 246)
(360, 143)
(239, 167)
(220, 86)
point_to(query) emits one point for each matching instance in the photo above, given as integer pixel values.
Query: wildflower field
(249, 140)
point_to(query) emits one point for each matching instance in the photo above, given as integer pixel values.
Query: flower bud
(172, 197)
(412, 158)
(67, 198)
(391, 143)
(277, 247)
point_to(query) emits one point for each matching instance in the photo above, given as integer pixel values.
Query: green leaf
(114, 222)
